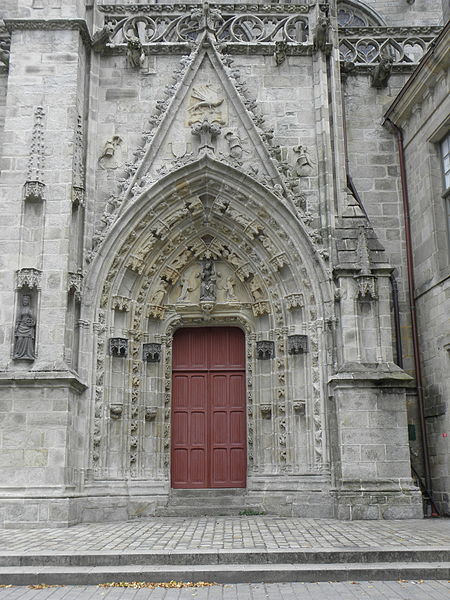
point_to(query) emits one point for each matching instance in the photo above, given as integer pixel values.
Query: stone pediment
(205, 115)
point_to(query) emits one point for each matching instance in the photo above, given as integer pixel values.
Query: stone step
(208, 501)
(232, 573)
(205, 510)
(207, 492)
(224, 557)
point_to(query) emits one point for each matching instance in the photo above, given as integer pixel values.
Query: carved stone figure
(304, 164)
(24, 331)
(4, 53)
(204, 104)
(186, 289)
(256, 288)
(208, 282)
(234, 144)
(102, 37)
(181, 260)
(160, 292)
(280, 52)
(230, 284)
(207, 132)
(108, 158)
(135, 52)
(382, 72)
(322, 35)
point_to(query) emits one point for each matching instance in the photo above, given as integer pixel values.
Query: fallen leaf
(42, 586)
(152, 585)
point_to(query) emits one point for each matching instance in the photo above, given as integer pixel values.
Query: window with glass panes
(445, 155)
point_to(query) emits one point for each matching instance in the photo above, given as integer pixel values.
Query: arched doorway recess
(146, 282)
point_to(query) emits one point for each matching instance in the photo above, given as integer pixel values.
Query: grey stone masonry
(183, 165)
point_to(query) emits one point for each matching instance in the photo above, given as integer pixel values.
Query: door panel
(189, 429)
(208, 408)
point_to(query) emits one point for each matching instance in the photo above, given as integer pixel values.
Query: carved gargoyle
(280, 52)
(347, 67)
(102, 37)
(382, 72)
(322, 35)
(135, 51)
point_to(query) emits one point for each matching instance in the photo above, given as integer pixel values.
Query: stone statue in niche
(160, 292)
(110, 158)
(24, 332)
(208, 282)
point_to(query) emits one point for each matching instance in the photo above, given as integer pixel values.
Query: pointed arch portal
(269, 280)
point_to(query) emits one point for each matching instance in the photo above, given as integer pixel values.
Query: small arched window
(352, 13)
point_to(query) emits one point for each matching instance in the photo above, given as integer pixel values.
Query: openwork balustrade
(367, 45)
(247, 28)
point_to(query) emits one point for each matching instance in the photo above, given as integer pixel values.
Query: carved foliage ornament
(29, 278)
(118, 347)
(78, 165)
(265, 350)
(297, 344)
(34, 186)
(151, 352)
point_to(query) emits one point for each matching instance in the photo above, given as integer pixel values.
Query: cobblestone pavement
(216, 533)
(378, 590)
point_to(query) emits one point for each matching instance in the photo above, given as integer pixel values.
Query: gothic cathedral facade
(206, 274)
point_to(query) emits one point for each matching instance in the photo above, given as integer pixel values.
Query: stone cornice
(51, 378)
(50, 25)
(436, 60)
(237, 8)
(375, 31)
(372, 373)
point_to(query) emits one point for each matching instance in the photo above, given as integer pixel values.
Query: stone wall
(423, 116)
(374, 168)
(432, 270)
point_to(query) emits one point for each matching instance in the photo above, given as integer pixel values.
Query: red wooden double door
(208, 408)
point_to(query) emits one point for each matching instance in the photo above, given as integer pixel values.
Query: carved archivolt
(240, 238)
